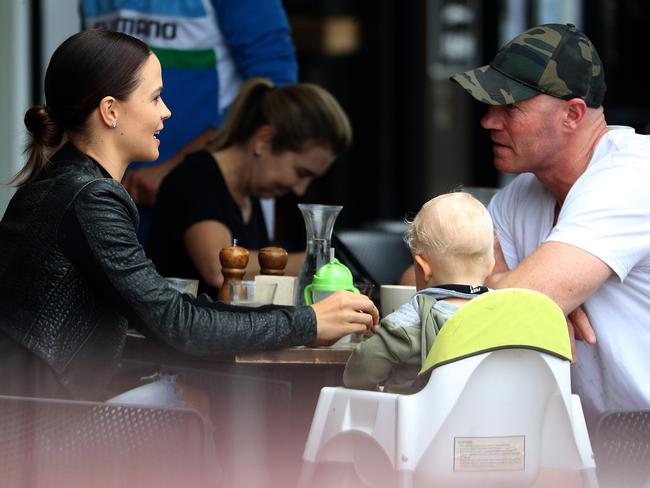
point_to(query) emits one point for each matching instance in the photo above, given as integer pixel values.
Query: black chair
(373, 255)
(622, 449)
(391, 226)
(62, 443)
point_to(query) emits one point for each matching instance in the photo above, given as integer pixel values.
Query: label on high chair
(489, 453)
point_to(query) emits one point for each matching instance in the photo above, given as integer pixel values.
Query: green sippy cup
(329, 278)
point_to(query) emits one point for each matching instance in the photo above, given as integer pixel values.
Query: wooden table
(337, 354)
(333, 355)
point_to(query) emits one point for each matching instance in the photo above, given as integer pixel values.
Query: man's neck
(573, 159)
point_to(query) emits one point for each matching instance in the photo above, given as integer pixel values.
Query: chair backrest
(489, 420)
(372, 255)
(622, 448)
(507, 318)
(498, 403)
(45, 442)
(496, 410)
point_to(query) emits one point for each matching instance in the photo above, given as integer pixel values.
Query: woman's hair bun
(43, 126)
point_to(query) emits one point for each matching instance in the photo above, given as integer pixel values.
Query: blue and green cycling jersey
(206, 48)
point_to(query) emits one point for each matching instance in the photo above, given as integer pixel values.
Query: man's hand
(582, 327)
(579, 330)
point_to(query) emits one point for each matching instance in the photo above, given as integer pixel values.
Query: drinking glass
(251, 294)
(367, 290)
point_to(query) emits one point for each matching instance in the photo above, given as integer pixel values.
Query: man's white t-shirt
(606, 213)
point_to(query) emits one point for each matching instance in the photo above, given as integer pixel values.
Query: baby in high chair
(452, 242)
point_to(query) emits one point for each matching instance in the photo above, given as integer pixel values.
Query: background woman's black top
(192, 192)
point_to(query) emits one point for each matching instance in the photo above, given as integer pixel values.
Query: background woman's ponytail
(245, 115)
(300, 115)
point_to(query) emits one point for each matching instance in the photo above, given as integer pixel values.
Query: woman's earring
(114, 125)
(258, 152)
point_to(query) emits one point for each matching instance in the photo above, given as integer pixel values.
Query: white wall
(15, 88)
(60, 19)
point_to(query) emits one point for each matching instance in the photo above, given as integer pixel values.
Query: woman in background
(274, 141)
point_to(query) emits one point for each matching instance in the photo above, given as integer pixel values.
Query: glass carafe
(319, 223)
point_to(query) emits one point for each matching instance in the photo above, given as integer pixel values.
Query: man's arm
(259, 39)
(500, 267)
(565, 273)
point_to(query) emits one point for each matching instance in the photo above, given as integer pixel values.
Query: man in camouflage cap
(574, 225)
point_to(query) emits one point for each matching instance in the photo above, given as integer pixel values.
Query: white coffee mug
(391, 297)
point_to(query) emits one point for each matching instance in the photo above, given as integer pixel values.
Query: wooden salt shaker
(234, 260)
(272, 260)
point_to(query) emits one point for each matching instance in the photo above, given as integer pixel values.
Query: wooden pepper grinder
(234, 260)
(272, 260)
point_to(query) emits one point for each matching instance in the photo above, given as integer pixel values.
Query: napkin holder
(284, 290)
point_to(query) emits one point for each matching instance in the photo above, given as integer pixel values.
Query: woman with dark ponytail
(274, 141)
(72, 273)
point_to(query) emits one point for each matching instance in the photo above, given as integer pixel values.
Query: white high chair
(496, 411)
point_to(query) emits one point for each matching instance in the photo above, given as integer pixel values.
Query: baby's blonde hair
(454, 230)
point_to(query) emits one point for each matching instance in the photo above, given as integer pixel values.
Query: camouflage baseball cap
(555, 59)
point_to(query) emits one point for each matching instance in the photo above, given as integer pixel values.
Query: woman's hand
(343, 313)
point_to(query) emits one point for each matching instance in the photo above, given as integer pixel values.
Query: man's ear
(424, 265)
(108, 112)
(576, 108)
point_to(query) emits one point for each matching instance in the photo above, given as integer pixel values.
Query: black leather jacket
(72, 274)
